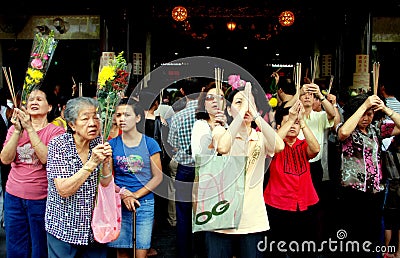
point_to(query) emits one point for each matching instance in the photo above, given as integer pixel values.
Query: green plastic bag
(218, 192)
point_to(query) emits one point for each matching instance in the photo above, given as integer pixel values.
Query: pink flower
(235, 81)
(268, 95)
(45, 57)
(37, 63)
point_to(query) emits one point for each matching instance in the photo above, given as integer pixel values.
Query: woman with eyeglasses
(209, 114)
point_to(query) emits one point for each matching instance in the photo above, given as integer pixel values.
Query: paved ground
(164, 241)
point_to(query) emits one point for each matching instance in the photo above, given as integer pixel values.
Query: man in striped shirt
(179, 138)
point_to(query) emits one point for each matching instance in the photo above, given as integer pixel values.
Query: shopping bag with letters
(218, 192)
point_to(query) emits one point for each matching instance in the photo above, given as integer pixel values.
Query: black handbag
(390, 166)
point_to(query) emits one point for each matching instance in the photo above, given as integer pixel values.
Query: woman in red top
(290, 191)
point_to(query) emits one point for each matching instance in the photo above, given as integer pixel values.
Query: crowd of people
(314, 170)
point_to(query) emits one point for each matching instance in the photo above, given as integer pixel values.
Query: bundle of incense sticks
(219, 76)
(314, 67)
(297, 77)
(330, 84)
(10, 84)
(375, 74)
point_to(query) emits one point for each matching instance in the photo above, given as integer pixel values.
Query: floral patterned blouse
(361, 166)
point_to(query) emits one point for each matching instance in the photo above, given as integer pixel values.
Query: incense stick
(375, 74)
(297, 78)
(14, 98)
(330, 84)
(10, 85)
(314, 68)
(219, 75)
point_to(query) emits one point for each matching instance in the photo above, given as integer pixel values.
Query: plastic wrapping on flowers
(273, 101)
(112, 82)
(42, 52)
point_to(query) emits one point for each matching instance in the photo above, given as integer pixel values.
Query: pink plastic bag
(106, 223)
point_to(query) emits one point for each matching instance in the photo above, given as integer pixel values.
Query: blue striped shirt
(180, 132)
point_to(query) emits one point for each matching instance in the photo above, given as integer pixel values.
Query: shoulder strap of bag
(397, 163)
(157, 128)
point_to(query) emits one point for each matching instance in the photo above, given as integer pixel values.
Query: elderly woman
(73, 172)
(25, 148)
(362, 192)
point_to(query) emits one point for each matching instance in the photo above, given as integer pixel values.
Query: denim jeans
(144, 227)
(61, 249)
(183, 196)
(25, 232)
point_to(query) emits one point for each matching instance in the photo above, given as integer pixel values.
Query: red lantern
(286, 18)
(179, 13)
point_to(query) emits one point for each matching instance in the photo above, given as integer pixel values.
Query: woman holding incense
(25, 148)
(362, 192)
(240, 139)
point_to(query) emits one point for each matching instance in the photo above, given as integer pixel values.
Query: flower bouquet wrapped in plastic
(112, 83)
(42, 52)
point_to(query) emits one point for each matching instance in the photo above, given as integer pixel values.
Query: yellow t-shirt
(59, 121)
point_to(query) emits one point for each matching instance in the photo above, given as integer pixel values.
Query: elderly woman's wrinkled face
(37, 104)
(87, 125)
(366, 119)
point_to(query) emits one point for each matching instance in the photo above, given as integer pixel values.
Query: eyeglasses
(211, 97)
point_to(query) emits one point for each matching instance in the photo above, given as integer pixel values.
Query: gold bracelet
(33, 146)
(391, 114)
(87, 169)
(107, 176)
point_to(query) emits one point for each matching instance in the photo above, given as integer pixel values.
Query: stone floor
(164, 241)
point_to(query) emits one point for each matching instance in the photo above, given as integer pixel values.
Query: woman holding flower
(25, 148)
(137, 166)
(73, 172)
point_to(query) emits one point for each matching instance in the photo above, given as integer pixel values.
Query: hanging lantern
(231, 25)
(286, 18)
(179, 13)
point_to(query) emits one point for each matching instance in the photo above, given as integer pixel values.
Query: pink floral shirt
(361, 167)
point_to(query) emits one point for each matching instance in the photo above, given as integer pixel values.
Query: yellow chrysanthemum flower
(107, 73)
(273, 102)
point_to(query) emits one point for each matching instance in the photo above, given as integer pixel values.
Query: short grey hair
(75, 105)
